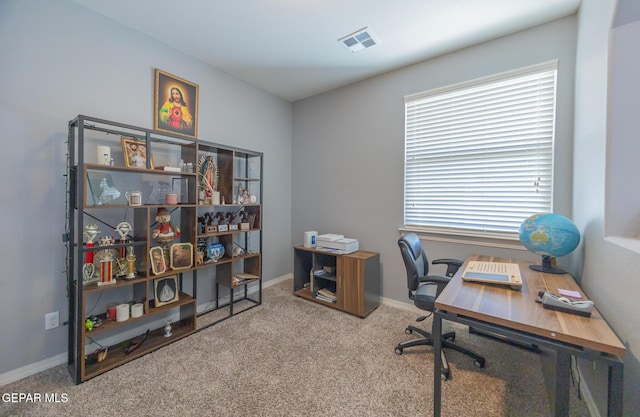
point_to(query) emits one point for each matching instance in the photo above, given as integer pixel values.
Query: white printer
(337, 244)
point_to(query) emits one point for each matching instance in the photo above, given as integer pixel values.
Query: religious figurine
(208, 179)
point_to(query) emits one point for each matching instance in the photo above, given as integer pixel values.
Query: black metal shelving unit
(238, 166)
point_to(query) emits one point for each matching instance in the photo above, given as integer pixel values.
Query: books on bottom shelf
(239, 278)
(326, 295)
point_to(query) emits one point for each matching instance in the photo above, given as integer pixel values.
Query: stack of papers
(326, 295)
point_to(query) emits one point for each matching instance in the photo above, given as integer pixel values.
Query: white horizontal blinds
(478, 158)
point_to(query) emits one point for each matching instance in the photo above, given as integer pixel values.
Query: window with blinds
(479, 155)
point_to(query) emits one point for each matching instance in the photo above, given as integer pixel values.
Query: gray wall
(605, 120)
(346, 155)
(354, 137)
(348, 146)
(60, 60)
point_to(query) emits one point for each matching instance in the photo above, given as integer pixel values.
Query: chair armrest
(440, 281)
(436, 279)
(452, 265)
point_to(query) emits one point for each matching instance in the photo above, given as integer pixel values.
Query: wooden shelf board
(220, 261)
(229, 232)
(120, 282)
(134, 170)
(107, 325)
(155, 340)
(183, 299)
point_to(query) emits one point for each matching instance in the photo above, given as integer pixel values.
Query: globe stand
(547, 267)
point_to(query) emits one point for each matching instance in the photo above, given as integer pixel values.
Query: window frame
(471, 235)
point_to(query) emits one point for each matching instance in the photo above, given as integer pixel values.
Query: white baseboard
(402, 306)
(587, 397)
(32, 369)
(277, 280)
(43, 365)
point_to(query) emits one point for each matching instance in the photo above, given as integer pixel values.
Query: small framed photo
(181, 256)
(158, 264)
(175, 105)
(165, 290)
(135, 153)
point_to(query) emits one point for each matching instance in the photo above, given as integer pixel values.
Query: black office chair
(423, 290)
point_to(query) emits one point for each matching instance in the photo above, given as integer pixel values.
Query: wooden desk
(516, 315)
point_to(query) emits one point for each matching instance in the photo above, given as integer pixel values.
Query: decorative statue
(166, 232)
(208, 179)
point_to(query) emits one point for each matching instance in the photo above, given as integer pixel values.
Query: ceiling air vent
(359, 40)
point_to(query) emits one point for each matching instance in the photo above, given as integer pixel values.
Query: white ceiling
(290, 47)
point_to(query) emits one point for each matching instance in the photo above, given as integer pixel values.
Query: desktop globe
(549, 235)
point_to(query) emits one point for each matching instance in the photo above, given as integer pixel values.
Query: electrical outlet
(51, 320)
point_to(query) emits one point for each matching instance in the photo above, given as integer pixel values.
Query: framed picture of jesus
(175, 105)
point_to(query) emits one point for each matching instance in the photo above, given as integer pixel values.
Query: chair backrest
(415, 260)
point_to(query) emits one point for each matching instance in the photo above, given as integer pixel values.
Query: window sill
(461, 239)
(625, 242)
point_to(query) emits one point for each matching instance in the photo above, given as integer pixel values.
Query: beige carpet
(292, 357)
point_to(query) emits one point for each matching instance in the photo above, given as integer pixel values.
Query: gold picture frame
(135, 153)
(181, 255)
(175, 105)
(158, 264)
(165, 290)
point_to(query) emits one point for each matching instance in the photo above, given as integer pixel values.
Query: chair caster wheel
(398, 351)
(444, 377)
(408, 331)
(478, 364)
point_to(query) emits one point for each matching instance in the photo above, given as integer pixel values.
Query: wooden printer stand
(351, 281)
